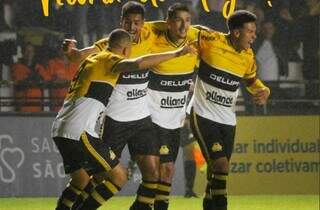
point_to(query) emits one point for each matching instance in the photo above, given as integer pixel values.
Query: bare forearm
(148, 61)
(144, 62)
(77, 55)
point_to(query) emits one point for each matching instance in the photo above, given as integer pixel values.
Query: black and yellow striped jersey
(128, 101)
(179, 65)
(169, 81)
(95, 77)
(88, 96)
(221, 69)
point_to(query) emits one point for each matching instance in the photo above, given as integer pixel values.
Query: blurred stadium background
(276, 162)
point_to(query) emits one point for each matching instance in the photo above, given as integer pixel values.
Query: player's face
(132, 23)
(247, 35)
(179, 25)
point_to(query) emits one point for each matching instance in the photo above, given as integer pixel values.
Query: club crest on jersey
(164, 150)
(216, 147)
(207, 38)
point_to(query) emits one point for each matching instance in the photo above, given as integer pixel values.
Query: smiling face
(178, 25)
(133, 24)
(245, 36)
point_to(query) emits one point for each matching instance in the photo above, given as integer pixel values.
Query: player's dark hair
(117, 37)
(132, 7)
(239, 18)
(173, 9)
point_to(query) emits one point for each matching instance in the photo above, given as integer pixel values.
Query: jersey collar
(172, 43)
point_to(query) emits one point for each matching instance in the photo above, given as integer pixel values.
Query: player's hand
(68, 45)
(189, 48)
(261, 96)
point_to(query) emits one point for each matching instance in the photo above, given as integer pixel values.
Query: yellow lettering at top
(71, 2)
(154, 3)
(82, 2)
(59, 2)
(205, 5)
(45, 7)
(107, 1)
(228, 8)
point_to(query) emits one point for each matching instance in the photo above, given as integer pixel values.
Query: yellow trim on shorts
(206, 152)
(111, 187)
(94, 153)
(144, 199)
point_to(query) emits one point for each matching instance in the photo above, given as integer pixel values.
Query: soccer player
(168, 90)
(128, 118)
(226, 59)
(77, 128)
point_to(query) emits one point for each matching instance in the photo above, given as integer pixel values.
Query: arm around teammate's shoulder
(148, 61)
(74, 54)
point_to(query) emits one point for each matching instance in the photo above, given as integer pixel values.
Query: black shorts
(90, 153)
(138, 134)
(215, 139)
(169, 140)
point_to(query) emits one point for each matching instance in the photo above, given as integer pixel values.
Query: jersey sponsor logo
(218, 78)
(224, 80)
(135, 76)
(216, 147)
(173, 83)
(219, 99)
(136, 93)
(170, 102)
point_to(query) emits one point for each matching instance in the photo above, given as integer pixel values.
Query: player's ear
(236, 33)
(126, 52)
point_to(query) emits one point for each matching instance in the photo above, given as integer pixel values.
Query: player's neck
(233, 42)
(136, 38)
(114, 50)
(174, 39)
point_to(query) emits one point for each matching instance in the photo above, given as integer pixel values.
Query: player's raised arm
(74, 54)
